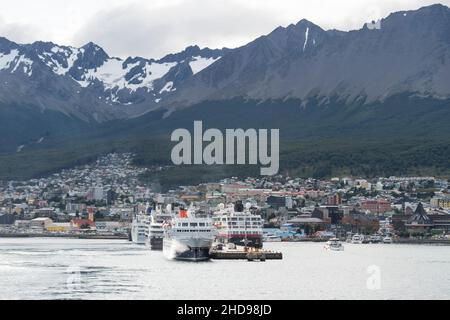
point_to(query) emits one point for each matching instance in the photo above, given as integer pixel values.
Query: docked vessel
(156, 230)
(334, 245)
(375, 239)
(357, 239)
(188, 238)
(272, 238)
(387, 240)
(349, 238)
(237, 225)
(139, 228)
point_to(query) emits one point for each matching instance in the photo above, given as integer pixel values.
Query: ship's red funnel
(183, 214)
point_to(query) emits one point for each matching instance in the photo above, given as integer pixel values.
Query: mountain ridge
(409, 53)
(94, 85)
(368, 101)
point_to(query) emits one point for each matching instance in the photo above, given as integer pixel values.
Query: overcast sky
(153, 28)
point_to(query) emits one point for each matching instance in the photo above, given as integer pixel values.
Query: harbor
(106, 200)
(232, 232)
(225, 159)
(234, 219)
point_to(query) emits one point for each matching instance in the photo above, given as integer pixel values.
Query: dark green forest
(401, 136)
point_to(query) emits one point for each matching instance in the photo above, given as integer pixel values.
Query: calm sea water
(97, 269)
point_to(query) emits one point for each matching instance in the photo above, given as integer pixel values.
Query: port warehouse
(47, 224)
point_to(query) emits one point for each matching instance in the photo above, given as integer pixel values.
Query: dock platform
(259, 255)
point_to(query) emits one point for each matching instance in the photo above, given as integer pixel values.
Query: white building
(98, 194)
(41, 223)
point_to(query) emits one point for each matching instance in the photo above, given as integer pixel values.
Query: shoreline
(398, 241)
(68, 236)
(425, 241)
(125, 237)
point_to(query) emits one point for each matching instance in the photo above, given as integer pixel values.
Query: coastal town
(99, 200)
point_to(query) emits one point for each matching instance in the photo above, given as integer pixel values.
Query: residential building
(377, 206)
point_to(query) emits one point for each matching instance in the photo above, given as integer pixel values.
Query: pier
(257, 255)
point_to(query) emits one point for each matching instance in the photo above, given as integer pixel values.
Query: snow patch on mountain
(16, 61)
(7, 59)
(69, 55)
(199, 63)
(306, 39)
(113, 75)
(26, 65)
(156, 71)
(168, 88)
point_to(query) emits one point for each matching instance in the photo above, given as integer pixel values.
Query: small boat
(375, 239)
(358, 239)
(272, 238)
(387, 240)
(334, 245)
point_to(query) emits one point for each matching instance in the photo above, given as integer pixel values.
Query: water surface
(108, 269)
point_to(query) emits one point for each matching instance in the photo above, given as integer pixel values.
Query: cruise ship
(188, 238)
(158, 218)
(139, 228)
(237, 225)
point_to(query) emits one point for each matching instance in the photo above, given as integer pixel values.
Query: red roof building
(79, 223)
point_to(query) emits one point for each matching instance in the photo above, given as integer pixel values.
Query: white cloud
(16, 31)
(154, 28)
(138, 29)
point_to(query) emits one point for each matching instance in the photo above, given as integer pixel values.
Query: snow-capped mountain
(408, 53)
(88, 82)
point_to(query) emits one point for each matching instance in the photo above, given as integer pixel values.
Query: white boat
(188, 238)
(139, 228)
(272, 238)
(334, 245)
(375, 239)
(387, 240)
(357, 239)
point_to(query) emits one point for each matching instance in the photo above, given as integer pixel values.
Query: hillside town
(100, 200)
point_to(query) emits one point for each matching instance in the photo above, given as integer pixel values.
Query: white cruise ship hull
(187, 249)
